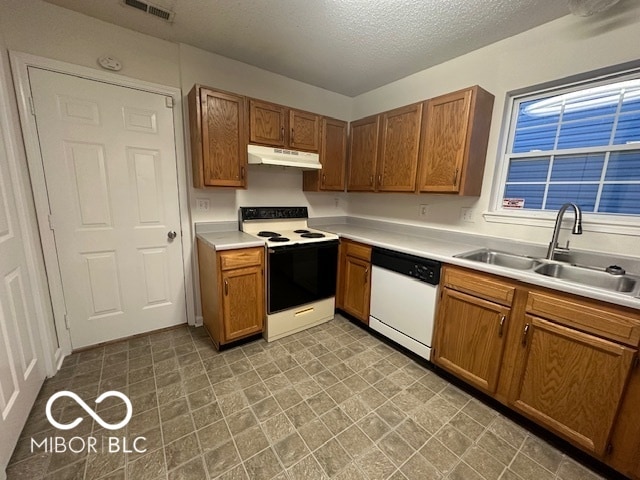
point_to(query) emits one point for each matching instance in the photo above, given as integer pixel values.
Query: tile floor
(330, 402)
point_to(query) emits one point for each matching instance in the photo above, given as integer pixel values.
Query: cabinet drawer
(240, 258)
(358, 250)
(479, 285)
(588, 316)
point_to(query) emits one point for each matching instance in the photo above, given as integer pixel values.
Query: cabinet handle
(524, 335)
(455, 177)
(282, 133)
(501, 329)
(324, 179)
(379, 179)
(366, 275)
(292, 135)
(226, 287)
(371, 180)
(242, 173)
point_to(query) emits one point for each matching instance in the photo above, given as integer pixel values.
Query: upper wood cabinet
(454, 142)
(399, 144)
(279, 126)
(304, 130)
(363, 154)
(267, 123)
(217, 124)
(333, 157)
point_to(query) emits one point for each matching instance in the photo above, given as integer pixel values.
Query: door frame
(20, 62)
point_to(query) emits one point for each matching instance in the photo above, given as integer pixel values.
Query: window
(575, 144)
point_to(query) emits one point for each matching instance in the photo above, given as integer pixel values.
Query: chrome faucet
(577, 228)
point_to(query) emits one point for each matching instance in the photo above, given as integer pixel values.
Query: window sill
(590, 223)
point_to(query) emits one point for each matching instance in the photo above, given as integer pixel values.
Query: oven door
(300, 274)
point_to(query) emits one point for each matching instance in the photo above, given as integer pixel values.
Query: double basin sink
(618, 281)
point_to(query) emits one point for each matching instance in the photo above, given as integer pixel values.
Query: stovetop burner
(268, 234)
(278, 239)
(313, 235)
(301, 231)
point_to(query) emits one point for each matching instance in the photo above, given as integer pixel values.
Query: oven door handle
(302, 246)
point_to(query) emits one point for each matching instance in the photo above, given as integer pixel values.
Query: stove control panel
(272, 213)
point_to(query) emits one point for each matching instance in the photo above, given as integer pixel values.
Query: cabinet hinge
(32, 107)
(66, 321)
(51, 224)
(169, 102)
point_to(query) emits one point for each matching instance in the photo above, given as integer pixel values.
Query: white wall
(266, 185)
(562, 48)
(39, 28)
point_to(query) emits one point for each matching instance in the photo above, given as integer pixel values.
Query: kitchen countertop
(444, 251)
(228, 240)
(441, 246)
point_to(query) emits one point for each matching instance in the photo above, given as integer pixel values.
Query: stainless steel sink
(588, 276)
(501, 259)
(564, 271)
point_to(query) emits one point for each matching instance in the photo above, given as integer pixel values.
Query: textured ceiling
(346, 46)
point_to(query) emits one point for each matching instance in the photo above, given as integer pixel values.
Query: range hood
(283, 157)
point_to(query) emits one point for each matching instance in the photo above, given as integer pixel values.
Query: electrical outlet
(336, 202)
(423, 210)
(202, 204)
(467, 215)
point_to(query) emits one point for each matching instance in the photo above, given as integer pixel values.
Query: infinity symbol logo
(94, 415)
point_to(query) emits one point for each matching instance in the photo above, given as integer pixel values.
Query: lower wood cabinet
(232, 292)
(470, 338)
(354, 279)
(566, 362)
(570, 382)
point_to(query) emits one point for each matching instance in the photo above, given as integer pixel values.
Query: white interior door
(110, 166)
(21, 363)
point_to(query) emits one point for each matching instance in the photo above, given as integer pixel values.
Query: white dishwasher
(404, 289)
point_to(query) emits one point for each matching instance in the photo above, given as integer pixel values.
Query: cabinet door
(470, 338)
(445, 141)
(357, 288)
(400, 142)
(570, 382)
(333, 154)
(242, 302)
(304, 130)
(333, 157)
(363, 154)
(267, 123)
(224, 144)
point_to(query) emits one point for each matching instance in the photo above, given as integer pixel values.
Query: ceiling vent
(151, 9)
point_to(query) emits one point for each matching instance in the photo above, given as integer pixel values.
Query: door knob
(172, 235)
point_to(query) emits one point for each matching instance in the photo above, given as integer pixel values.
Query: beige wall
(559, 49)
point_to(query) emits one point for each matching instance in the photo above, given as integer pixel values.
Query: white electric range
(301, 268)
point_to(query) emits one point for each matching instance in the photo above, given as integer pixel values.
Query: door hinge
(66, 321)
(51, 224)
(169, 102)
(32, 107)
